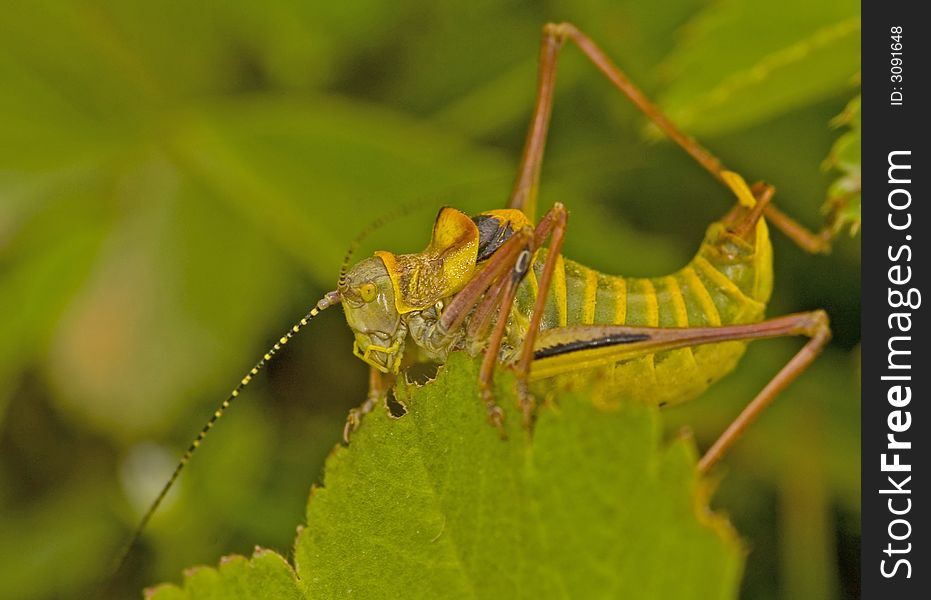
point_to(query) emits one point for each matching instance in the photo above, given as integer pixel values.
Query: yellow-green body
(390, 300)
(728, 282)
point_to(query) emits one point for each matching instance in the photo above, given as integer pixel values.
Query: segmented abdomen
(728, 282)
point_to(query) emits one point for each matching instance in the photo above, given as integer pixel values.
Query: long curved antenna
(328, 300)
(433, 199)
(375, 225)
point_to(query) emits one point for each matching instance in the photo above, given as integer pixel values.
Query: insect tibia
(816, 324)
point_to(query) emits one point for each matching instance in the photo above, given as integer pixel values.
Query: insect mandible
(487, 284)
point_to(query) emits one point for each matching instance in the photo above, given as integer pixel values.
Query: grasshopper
(487, 284)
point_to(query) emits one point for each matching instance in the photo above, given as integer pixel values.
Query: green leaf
(740, 63)
(265, 575)
(843, 202)
(435, 504)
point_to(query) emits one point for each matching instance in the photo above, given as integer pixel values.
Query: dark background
(893, 128)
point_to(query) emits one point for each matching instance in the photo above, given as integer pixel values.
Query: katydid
(497, 284)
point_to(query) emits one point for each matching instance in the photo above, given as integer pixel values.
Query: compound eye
(368, 292)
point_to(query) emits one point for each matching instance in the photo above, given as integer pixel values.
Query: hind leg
(568, 349)
(379, 384)
(524, 193)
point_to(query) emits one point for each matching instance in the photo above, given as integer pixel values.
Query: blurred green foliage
(179, 181)
(843, 203)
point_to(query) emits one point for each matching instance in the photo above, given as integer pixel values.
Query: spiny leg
(585, 346)
(763, 193)
(814, 243)
(487, 370)
(553, 226)
(500, 263)
(379, 384)
(485, 312)
(524, 193)
(482, 294)
(820, 334)
(810, 241)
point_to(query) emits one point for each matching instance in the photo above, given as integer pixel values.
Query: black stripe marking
(492, 234)
(611, 340)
